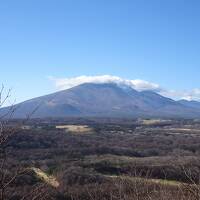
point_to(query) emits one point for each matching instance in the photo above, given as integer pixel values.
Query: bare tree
(6, 132)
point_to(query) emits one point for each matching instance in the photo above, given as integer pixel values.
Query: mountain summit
(104, 100)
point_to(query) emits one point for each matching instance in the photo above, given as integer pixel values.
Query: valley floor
(95, 159)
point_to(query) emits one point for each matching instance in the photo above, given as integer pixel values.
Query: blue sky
(157, 41)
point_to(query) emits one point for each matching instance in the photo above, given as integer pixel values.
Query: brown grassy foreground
(134, 188)
(95, 160)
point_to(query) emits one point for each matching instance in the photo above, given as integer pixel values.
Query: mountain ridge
(104, 100)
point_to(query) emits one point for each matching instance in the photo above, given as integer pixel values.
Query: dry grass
(184, 130)
(50, 180)
(76, 129)
(153, 121)
(148, 180)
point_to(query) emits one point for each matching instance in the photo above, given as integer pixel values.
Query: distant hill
(105, 100)
(192, 104)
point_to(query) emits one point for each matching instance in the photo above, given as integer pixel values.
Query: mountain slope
(103, 100)
(191, 104)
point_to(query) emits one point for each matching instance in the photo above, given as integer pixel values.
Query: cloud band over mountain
(137, 84)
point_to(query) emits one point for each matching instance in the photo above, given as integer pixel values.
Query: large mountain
(104, 100)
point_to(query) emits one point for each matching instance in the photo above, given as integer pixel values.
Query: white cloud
(137, 84)
(189, 95)
(66, 83)
(142, 85)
